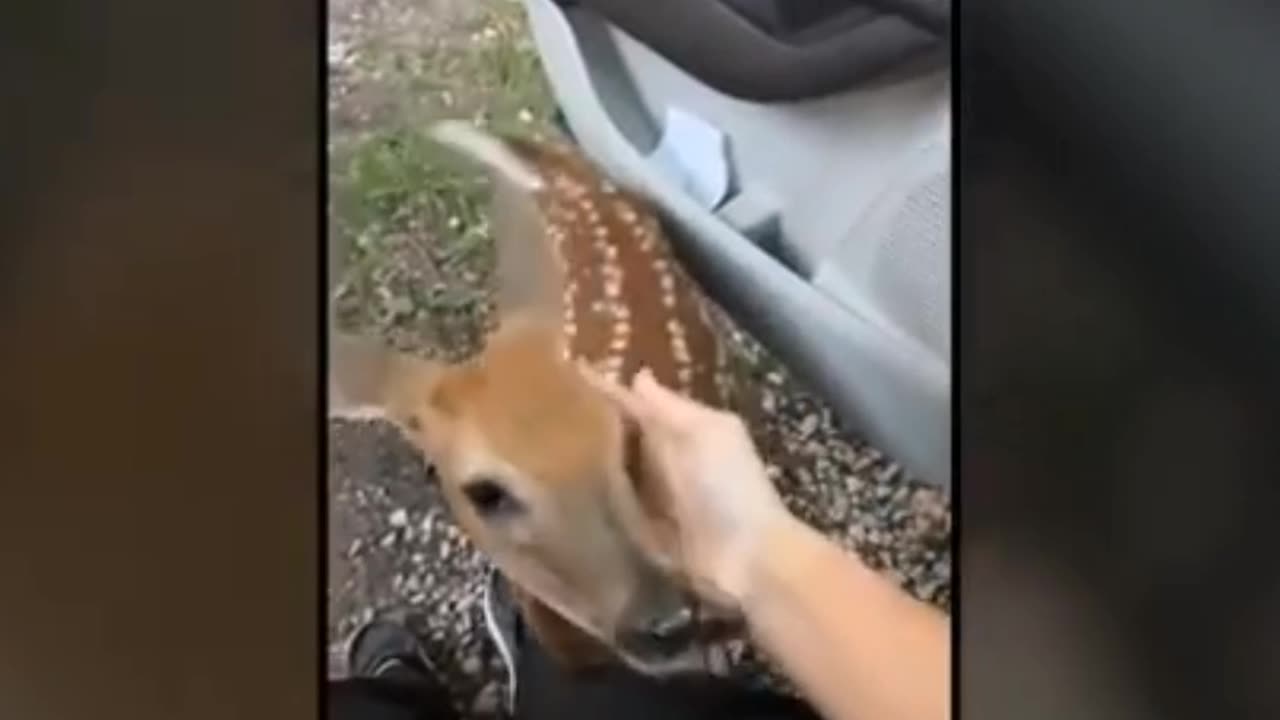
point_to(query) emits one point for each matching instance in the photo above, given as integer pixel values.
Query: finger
(630, 405)
(672, 408)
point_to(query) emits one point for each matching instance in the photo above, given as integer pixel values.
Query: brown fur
(629, 223)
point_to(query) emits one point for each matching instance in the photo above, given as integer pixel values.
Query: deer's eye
(490, 499)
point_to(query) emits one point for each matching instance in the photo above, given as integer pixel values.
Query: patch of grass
(417, 248)
(409, 215)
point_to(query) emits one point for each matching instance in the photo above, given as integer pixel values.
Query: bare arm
(855, 643)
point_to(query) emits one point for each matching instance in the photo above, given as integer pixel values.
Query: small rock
(888, 472)
(399, 305)
(487, 700)
(768, 401)
(839, 506)
(928, 590)
(388, 539)
(398, 518)
(808, 426)
(471, 665)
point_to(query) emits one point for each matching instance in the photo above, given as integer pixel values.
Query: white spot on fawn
(646, 238)
(626, 213)
(574, 189)
(685, 375)
(680, 351)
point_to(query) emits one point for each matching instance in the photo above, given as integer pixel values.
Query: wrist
(784, 546)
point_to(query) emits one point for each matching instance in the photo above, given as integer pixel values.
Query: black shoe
(502, 620)
(382, 646)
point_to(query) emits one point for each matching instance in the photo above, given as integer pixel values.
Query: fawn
(537, 466)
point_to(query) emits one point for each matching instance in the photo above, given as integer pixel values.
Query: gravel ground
(395, 64)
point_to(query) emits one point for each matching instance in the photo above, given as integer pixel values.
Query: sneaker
(502, 620)
(381, 646)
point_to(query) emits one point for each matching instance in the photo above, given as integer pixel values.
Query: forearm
(857, 645)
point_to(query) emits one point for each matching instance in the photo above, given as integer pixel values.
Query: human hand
(725, 509)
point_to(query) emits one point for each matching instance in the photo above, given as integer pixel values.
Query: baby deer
(538, 467)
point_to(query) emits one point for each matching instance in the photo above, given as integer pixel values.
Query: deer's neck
(626, 302)
(569, 646)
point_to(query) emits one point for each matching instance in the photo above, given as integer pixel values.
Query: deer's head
(537, 465)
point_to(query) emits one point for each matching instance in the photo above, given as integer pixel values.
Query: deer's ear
(527, 276)
(369, 379)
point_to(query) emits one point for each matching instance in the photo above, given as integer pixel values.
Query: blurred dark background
(159, 471)
(160, 479)
(1120, 286)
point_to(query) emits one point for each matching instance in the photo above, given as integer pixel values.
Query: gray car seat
(800, 151)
